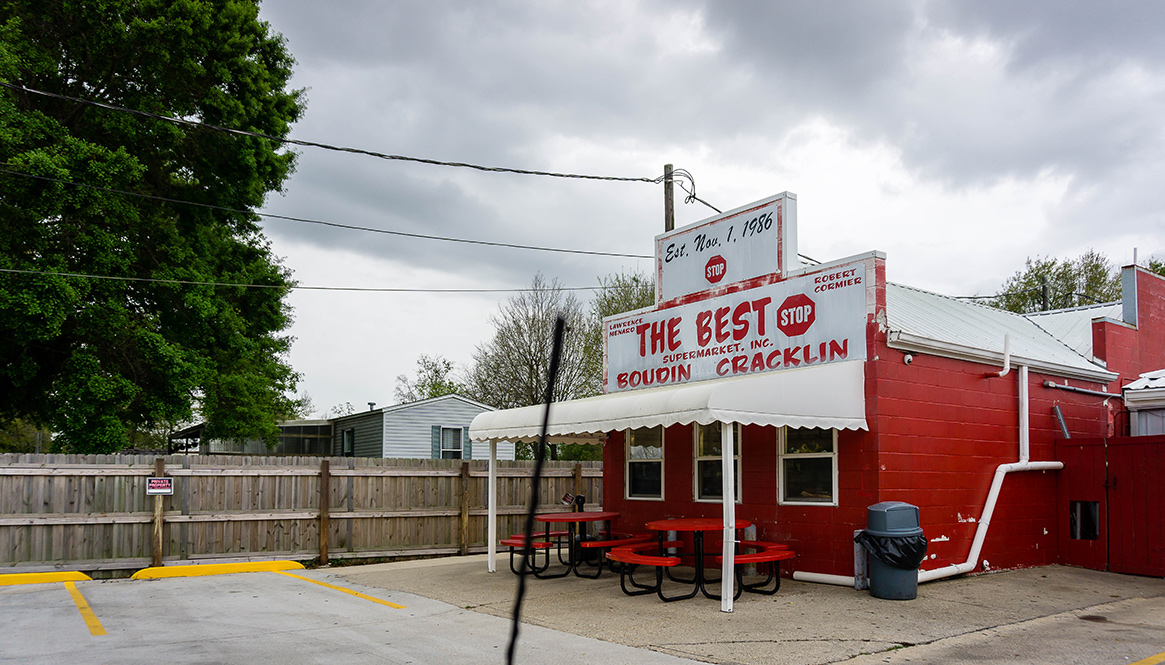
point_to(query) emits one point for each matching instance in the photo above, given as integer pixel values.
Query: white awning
(830, 395)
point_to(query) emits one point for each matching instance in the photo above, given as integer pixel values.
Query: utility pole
(669, 203)
(1044, 293)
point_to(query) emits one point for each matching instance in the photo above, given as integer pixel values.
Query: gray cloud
(969, 94)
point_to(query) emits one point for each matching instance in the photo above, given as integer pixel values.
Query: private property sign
(806, 320)
(159, 486)
(751, 241)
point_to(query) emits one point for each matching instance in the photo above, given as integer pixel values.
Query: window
(645, 463)
(1149, 423)
(709, 464)
(450, 443)
(808, 466)
(349, 443)
(1084, 520)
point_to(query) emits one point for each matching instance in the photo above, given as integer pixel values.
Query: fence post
(184, 530)
(351, 491)
(578, 480)
(464, 508)
(325, 495)
(159, 471)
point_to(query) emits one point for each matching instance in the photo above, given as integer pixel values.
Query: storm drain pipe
(1024, 464)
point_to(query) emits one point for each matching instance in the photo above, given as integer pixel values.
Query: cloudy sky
(957, 137)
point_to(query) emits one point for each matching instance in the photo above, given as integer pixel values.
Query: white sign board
(159, 486)
(752, 241)
(806, 320)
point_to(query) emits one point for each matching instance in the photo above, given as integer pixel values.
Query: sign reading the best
(806, 320)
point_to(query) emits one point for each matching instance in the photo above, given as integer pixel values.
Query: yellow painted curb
(1152, 660)
(42, 578)
(196, 570)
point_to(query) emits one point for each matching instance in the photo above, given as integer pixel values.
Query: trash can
(894, 539)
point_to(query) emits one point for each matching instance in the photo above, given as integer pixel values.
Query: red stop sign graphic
(796, 314)
(715, 268)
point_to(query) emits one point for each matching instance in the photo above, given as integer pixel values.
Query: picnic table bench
(542, 540)
(635, 555)
(763, 552)
(604, 542)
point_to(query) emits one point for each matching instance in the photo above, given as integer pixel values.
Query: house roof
(926, 322)
(1074, 326)
(423, 402)
(436, 400)
(1147, 392)
(1148, 381)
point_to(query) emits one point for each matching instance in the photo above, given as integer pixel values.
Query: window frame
(782, 455)
(348, 442)
(460, 449)
(697, 458)
(627, 462)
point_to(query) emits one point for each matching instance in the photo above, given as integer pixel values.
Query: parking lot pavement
(1123, 631)
(271, 617)
(1053, 615)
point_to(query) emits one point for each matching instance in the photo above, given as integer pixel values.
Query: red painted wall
(1133, 349)
(938, 430)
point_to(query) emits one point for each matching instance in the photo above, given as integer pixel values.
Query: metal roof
(1147, 392)
(1148, 381)
(1074, 326)
(926, 322)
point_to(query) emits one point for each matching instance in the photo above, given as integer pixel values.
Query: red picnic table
(696, 526)
(576, 524)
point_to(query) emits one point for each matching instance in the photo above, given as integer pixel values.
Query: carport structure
(826, 396)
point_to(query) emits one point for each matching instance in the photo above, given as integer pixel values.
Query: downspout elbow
(1006, 358)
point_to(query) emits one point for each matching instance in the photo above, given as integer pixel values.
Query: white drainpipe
(1024, 464)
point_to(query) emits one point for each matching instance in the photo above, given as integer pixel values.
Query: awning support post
(728, 494)
(492, 528)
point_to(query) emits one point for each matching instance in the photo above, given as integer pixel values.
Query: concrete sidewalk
(813, 624)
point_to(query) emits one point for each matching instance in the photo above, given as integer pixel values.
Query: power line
(353, 227)
(281, 286)
(683, 173)
(338, 225)
(324, 146)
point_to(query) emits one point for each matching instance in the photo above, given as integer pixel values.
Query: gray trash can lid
(892, 517)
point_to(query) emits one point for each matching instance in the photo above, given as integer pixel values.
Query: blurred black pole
(539, 458)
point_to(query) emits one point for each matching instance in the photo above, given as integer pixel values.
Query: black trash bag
(905, 552)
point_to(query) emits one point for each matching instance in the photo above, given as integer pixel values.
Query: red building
(840, 390)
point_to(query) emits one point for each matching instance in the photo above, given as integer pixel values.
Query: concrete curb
(198, 570)
(8, 579)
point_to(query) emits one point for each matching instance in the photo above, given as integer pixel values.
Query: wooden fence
(91, 512)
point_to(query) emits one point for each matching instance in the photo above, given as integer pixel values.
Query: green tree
(1156, 265)
(1086, 280)
(621, 292)
(433, 380)
(17, 436)
(509, 371)
(98, 359)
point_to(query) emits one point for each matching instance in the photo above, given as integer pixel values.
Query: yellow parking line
(87, 614)
(42, 578)
(340, 588)
(1152, 660)
(196, 570)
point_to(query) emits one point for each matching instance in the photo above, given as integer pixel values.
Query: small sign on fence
(567, 499)
(159, 486)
